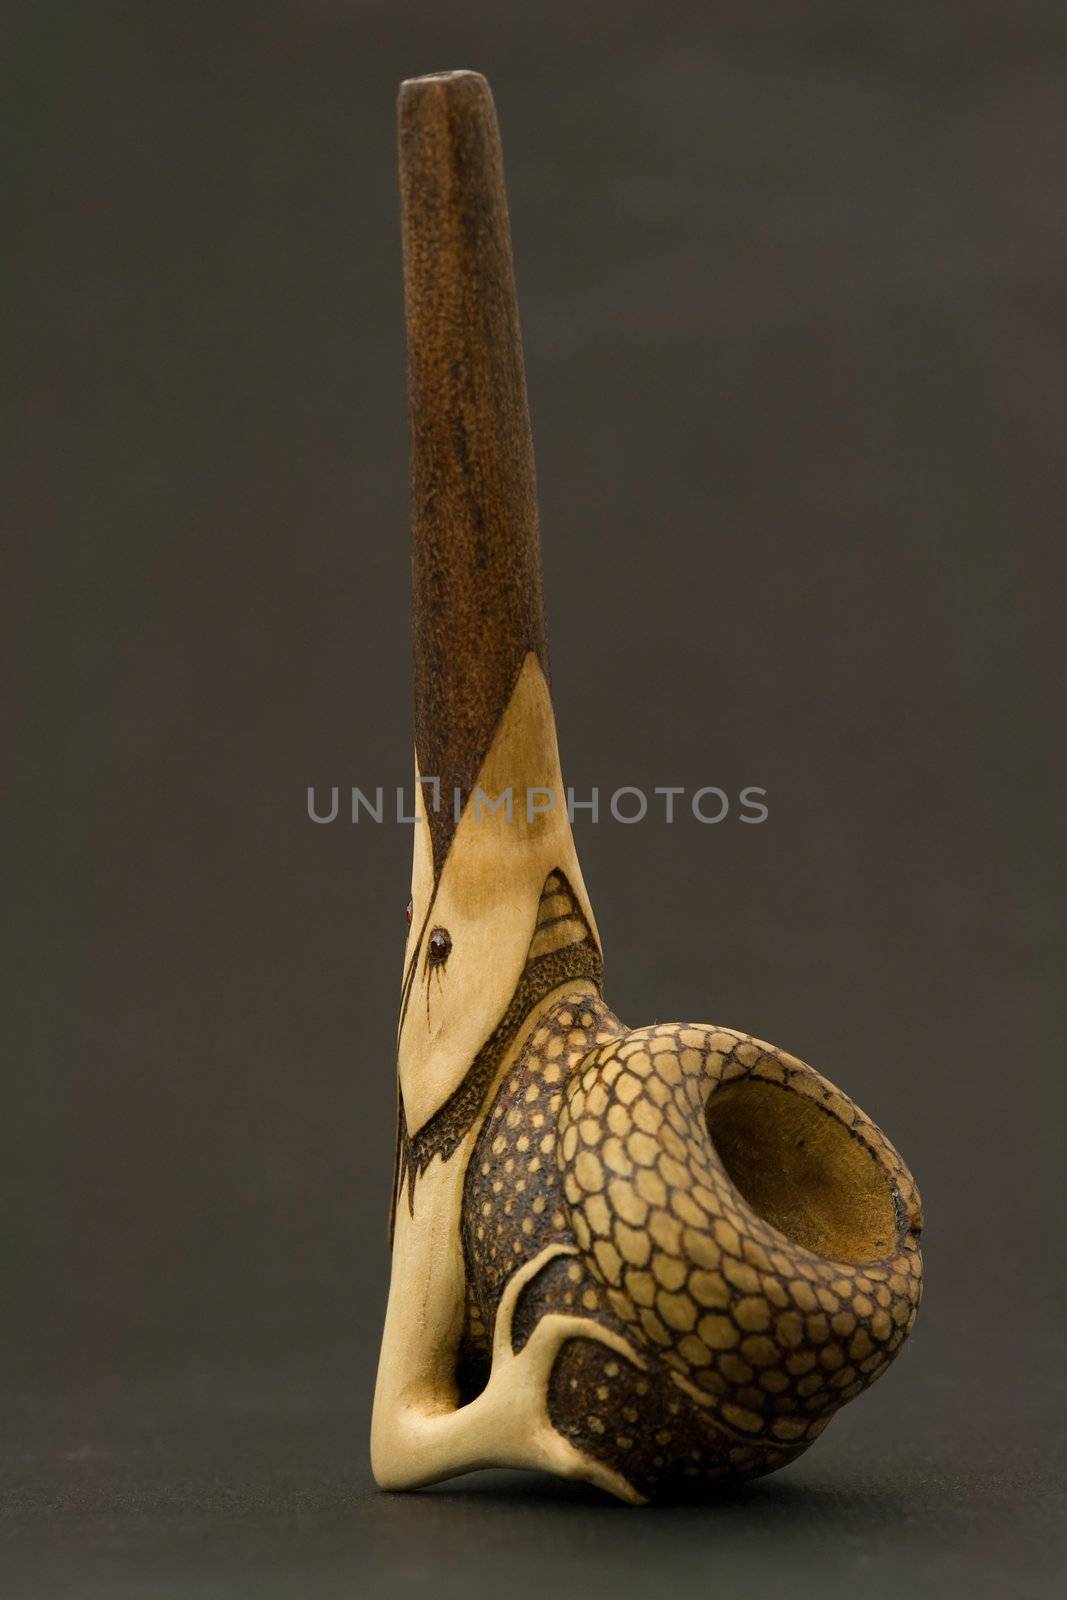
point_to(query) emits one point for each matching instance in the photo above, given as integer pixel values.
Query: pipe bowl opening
(801, 1169)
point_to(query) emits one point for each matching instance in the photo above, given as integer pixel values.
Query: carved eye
(407, 913)
(439, 947)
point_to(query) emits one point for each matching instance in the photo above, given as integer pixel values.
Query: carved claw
(557, 1327)
(518, 1382)
(417, 1441)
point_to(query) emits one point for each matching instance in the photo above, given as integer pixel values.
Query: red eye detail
(439, 947)
(407, 913)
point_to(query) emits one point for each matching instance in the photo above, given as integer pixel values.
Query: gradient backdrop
(792, 283)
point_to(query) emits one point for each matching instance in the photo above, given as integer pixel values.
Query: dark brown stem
(477, 599)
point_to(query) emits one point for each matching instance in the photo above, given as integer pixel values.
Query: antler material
(656, 1258)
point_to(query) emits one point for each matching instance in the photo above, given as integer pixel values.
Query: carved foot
(519, 1382)
(508, 1424)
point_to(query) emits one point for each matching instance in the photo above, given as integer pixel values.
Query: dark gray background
(792, 280)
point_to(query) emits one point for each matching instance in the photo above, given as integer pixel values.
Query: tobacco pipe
(656, 1259)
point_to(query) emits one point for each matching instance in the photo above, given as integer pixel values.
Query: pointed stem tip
(476, 561)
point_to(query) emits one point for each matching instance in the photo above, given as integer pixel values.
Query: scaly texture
(600, 1138)
(562, 950)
